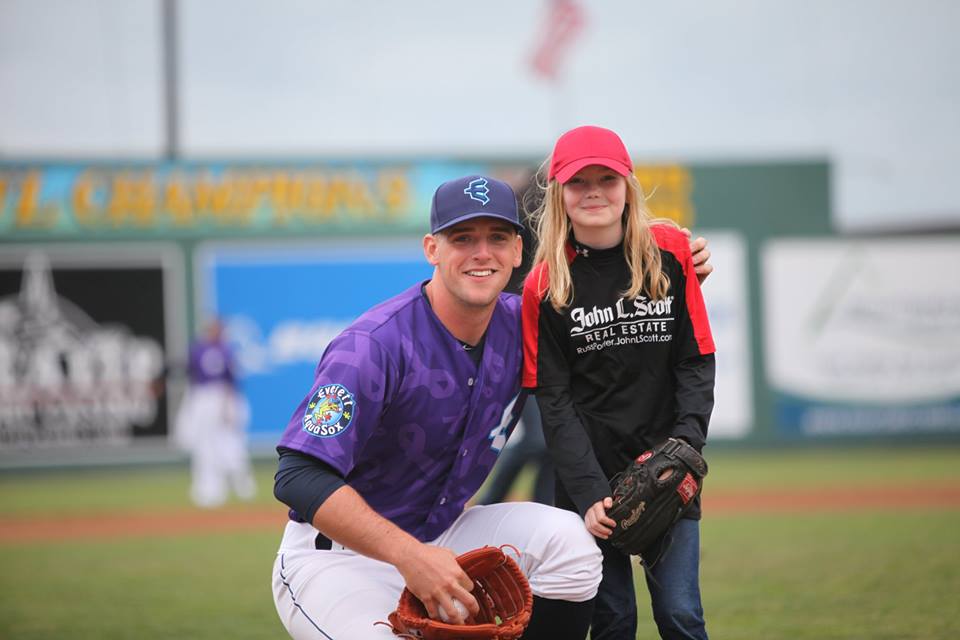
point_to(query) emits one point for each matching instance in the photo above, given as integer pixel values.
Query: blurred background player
(212, 421)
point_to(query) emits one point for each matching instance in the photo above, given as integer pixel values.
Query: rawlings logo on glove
(653, 493)
(501, 590)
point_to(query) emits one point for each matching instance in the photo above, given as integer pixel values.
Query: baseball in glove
(501, 590)
(653, 493)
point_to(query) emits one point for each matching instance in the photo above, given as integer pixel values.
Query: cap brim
(568, 171)
(477, 214)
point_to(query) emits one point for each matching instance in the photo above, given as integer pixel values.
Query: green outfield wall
(797, 311)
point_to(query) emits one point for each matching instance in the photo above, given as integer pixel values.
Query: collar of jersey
(581, 250)
(466, 347)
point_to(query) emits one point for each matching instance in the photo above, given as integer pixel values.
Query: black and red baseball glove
(653, 493)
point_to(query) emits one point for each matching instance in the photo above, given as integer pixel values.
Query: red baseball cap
(583, 146)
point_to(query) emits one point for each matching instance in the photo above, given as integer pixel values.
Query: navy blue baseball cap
(473, 197)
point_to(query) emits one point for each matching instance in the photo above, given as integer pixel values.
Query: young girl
(618, 347)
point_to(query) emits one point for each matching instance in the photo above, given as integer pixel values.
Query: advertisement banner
(187, 200)
(191, 200)
(728, 308)
(862, 336)
(84, 337)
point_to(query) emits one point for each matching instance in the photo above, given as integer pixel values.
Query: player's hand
(433, 575)
(701, 256)
(597, 521)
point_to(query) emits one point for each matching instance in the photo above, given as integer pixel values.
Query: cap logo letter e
(477, 190)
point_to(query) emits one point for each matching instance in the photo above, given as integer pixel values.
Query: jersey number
(511, 414)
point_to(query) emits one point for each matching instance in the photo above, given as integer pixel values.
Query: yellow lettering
(287, 197)
(295, 193)
(30, 212)
(396, 192)
(248, 193)
(28, 205)
(120, 198)
(316, 206)
(145, 203)
(279, 199)
(361, 200)
(261, 187)
(176, 201)
(86, 212)
(132, 200)
(231, 187)
(338, 194)
(213, 198)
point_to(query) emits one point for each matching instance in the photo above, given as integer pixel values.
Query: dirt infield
(127, 525)
(260, 519)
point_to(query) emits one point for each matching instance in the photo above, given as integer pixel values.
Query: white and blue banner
(862, 335)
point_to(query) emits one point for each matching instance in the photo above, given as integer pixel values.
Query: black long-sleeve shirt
(616, 376)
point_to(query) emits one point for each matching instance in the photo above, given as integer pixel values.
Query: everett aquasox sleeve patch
(329, 411)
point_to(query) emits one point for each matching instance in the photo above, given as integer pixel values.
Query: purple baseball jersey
(210, 362)
(403, 412)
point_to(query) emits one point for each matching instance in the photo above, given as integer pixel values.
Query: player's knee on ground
(571, 564)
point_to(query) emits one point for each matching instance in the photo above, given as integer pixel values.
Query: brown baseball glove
(501, 590)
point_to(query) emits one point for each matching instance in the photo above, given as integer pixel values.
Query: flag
(564, 23)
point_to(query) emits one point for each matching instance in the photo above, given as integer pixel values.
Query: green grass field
(888, 572)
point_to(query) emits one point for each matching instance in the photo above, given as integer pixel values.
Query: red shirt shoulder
(537, 281)
(670, 238)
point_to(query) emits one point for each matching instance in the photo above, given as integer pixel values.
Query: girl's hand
(597, 521)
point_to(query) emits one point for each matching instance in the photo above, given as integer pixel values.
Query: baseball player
(409, 409)
(619, 349)
(211, 424)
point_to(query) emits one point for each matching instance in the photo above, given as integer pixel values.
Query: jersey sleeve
(694, 370)
(695, 378)
(694, 366)
(570, 448)
(694, 330)
(351, 389)
(303, 482)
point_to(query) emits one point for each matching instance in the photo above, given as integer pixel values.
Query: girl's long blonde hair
(639, 246)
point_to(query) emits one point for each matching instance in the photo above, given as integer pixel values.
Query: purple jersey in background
(396, 381)
(210, 361)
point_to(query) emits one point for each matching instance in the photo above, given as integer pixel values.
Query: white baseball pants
(340, 594)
